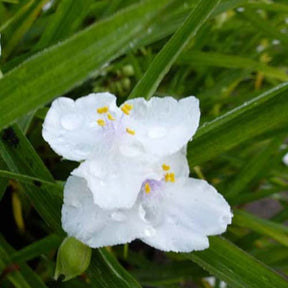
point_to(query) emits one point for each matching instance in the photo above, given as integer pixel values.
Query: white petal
(177, 162)
(84, 220)
(164, 125)
(71, 128)
(193, 210)
(115, 180)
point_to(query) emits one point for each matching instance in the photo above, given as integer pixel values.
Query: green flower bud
(126, 82)
(128, 70)
(73, 258)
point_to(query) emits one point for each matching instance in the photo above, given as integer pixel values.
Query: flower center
(168, 177)
(105, 122)
(152, 185)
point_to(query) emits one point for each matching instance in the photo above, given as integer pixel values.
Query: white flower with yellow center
(174, 213)
(133, 182)
(118, 145)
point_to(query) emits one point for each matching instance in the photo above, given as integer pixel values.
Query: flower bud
(73, 259)
(128, 70)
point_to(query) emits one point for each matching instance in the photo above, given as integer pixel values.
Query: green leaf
(16, 16)
(237, 268)
(20, 274)
(63, 66)
(174, 272)
(169, 53)
(28, 179)
(251, 172)
(230, 61)
(35, 249)
(21, 158)
(21, 30)
(11, 1)
(263, 26)
(103, 263)
(267, 228)
(63, 21)
(263, 113)
(3, 181)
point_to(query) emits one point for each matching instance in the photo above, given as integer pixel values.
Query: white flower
(175, 213)
(133, 182)
(285, 159)
(119, 145)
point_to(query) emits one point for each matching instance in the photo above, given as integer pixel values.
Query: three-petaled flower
(133, 181)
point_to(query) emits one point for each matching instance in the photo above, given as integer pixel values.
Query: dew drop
(60, 139)
(71, 121)
(101, 183)
(149, 232)
(118, 216)
(142, 213)
(132, 150)
(157, 132)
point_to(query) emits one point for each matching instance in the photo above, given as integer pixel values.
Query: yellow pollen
(102, 110)
(130, 131)
(126, 108)
(110, 117)
(170, 177)
(101, 122)
(165, 167)
(147, 188)
(167, 177)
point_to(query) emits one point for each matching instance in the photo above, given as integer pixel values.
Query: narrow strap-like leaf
(163, 61)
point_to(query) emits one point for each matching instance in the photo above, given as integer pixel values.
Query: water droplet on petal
(132, 150)
(118, 216)
(149, 232)
(157, 132)
(142, 213)
(60, 139)
(71, 121)
(101, 183)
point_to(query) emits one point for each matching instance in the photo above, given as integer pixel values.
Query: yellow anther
(147, 188)
(102, 110)
(169, 177)
(110, 117)
(130, 131)
(165, 167)
(101, 122)
(126, 108)
(172, 177)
